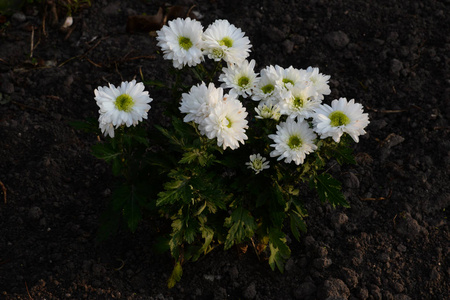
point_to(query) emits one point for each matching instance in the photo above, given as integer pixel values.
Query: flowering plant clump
(241, 144)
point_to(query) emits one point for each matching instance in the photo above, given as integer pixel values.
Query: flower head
(227, 123)
(126, 104)
(290, 76)
(319, 81)
(241, 78)
(267, 87)
(339, 118)
(293, 141)
(198, 102)
(268, 110)
(182, 42)
(223, 40)
(257, 163)
(300, 102)
(106, 127)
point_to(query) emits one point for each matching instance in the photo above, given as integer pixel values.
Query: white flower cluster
(217, 115)
(185, 43)
(294, 93)
(298, 95)
(126, 104)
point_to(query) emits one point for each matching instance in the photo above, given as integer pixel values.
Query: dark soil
(393, 243)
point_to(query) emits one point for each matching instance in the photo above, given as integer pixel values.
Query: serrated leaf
(190, 230)
(175, 276)
(155, 83)
(344, 155)
(137, 134)
(207, 235)
(171, 137)
(192, 155)
(279, 250)
(329, 189)
(297, 223)
(105, 152)
(189, 157)
(176, 238)
(242, 225)
(90, 125)
(176, 190)
(161, 244)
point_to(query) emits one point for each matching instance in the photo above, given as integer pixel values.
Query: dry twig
(387, 111)
(28, 291)
(4, 190)
(377, 199)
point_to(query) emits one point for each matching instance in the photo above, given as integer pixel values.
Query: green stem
(217, 67)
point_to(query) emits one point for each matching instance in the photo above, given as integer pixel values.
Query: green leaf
(297, 223)
(175, 276)
(242, 225)
(137, 134)
(132, 213)
(344, 155)
(105, 152)
(155, 83)
(192, 155)
(171, 137)
(176, 237)
(207, 235)
(279, 250)
(90, 125)
(329, 189)
(190, 230)
(189, 157)
(128, 199)
(120, 196)
(161, 244)
(176, 190)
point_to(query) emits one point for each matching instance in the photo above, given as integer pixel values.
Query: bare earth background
(393, 243)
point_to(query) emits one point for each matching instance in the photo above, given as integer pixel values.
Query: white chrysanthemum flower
(126, 104)
(182, 42)
(339, 118)
(290, 76)
(293, 141)
(106, 127)
(268, 110)
(319, 81)
(257, 163)
(241, 79)
(198, 102)
(267, 88)
(300, 102)
(223, 40)
(227, 123)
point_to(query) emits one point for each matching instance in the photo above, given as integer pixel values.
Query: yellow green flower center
(338, 118)
(294, 142)
(124, 103)
(287, 80)
(218, 53)
(257, 164)
(185, 42)
(299, 102)
(226, 41)
(229, 122)
(268, 88)
(243, 81)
